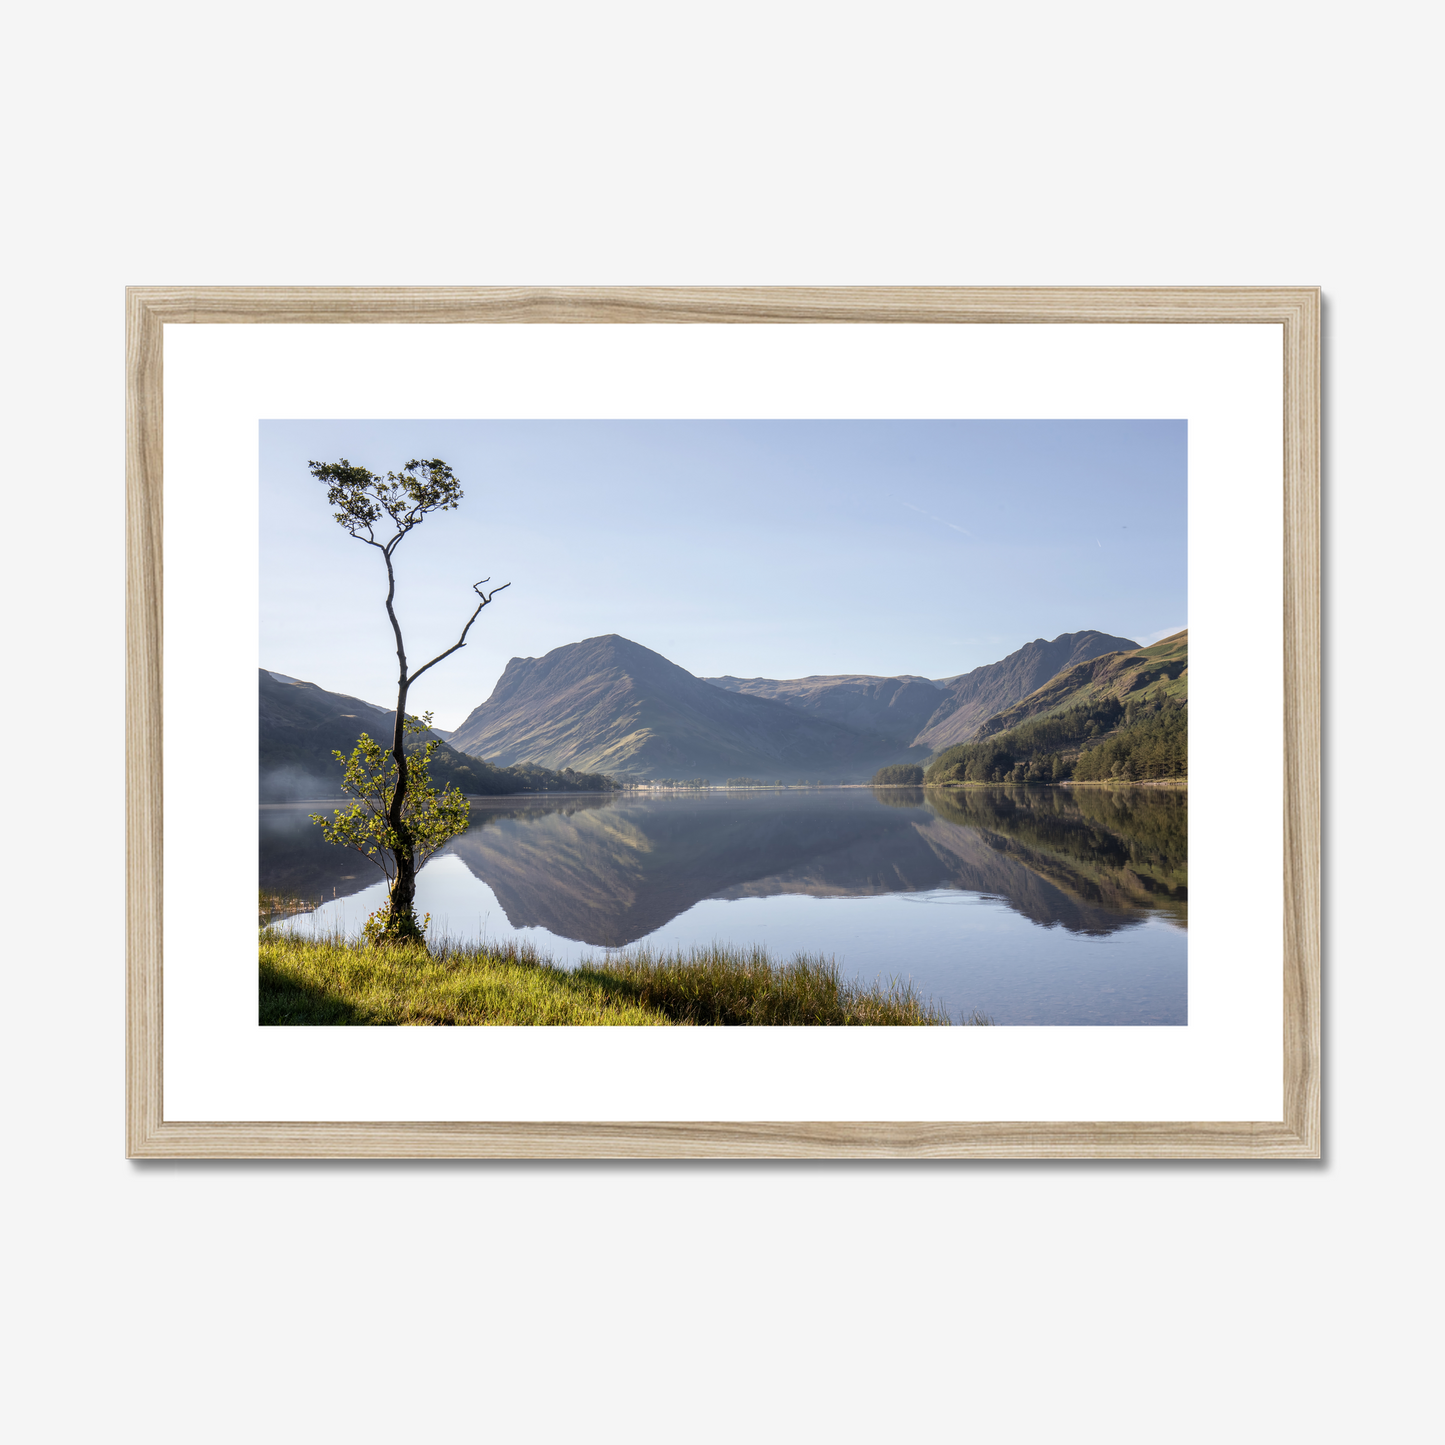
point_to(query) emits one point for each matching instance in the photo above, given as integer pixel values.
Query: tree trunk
(402, 922)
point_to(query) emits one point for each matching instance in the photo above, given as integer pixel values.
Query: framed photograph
(749, 722)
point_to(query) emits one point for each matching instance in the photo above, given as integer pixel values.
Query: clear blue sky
(772, 548)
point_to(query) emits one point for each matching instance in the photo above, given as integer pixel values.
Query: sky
(757, 548)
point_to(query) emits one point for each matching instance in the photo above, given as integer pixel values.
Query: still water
(1032, 905)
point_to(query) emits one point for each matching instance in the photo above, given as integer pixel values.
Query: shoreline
(490, 799)
(1122, 783)
(1180, 784)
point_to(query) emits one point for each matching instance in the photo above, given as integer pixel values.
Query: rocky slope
(610, 705)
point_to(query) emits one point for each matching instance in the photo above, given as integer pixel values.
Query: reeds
(724, 985)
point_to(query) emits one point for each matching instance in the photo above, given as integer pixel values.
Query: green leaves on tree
(428, 818)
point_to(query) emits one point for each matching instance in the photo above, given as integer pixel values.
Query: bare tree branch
(461, 641)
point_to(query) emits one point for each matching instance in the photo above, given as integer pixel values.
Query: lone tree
(428, 819)
(398, 811)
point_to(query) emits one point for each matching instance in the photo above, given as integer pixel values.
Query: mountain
(608, 704)
(1115, 675)
(896, 708)
(973, 697)
(611, 705)
(301, 725)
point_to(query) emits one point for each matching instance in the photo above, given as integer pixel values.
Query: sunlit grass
(313, 981)
(336, 981)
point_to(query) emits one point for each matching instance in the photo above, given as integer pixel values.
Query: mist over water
(1034, 905)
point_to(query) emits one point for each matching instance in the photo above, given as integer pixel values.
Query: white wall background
(747, 143)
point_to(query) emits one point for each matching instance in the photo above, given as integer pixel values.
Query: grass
(331, 981)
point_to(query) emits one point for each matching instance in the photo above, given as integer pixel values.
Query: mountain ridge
(975, 696)
(909, 709)
(894, 707)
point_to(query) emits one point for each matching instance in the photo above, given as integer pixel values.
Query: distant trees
(398, 503)
(534, 778)
(896, 773)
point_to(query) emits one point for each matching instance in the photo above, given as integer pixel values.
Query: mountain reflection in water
(1094, 881)
(608, 871)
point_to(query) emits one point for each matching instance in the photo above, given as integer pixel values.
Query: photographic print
(738, 722)
(766, 661)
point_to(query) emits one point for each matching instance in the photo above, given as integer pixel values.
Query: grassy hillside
(1123, 715)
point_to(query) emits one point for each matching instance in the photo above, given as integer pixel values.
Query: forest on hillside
(1093, 741)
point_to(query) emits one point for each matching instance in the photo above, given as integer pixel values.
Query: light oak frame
(1295, 309)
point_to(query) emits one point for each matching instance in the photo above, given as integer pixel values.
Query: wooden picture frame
(1296, 310)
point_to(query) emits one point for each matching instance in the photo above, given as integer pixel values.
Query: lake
(1032, 905)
